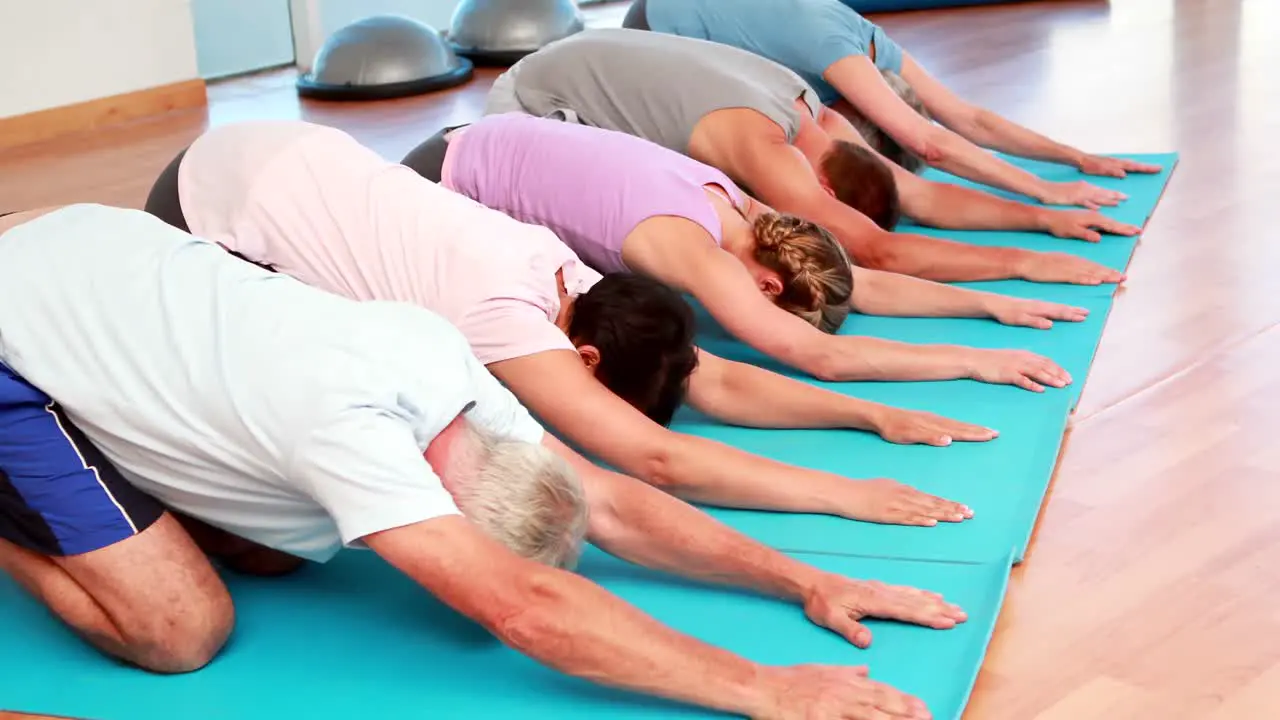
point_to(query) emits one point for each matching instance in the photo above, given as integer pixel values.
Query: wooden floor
(1151, 588)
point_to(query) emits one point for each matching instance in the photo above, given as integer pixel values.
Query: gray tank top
(652, 85)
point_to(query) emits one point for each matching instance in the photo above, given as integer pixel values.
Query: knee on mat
(185, 639)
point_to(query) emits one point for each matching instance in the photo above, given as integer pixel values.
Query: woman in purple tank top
(623, 204)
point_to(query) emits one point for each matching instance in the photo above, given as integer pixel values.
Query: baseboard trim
(55, 122)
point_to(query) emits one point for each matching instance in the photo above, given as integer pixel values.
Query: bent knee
(182, 641)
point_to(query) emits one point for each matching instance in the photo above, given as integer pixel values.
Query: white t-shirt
(313, 203)
(278, 412)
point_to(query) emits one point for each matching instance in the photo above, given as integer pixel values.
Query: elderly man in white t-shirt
(145, 372)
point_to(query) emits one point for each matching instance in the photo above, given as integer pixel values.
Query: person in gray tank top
(764, 127)
(614, 87)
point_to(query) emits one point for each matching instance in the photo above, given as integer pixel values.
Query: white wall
(315, 20)
(60, 52)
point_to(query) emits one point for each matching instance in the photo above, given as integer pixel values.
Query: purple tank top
(590, 186)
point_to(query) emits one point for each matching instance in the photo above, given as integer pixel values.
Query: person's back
(806, 36)
(224, 390)
(550, 173)
(651, 85)
(313, 203)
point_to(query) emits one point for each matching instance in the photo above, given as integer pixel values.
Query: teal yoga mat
(354, 639)
(1003, 481)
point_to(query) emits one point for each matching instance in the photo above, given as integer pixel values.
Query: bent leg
(428, 158)
(101, 555)
(163, 201)
(237, 554)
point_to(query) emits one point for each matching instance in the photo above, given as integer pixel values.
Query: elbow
(657, 467)
(938, 147)
(876, 252)
(539, 612)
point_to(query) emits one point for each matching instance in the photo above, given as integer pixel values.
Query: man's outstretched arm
(578, 628)
(637, 523)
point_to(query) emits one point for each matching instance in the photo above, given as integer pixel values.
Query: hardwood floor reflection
(1148, 591)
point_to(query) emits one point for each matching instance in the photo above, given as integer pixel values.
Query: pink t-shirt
(313, 203)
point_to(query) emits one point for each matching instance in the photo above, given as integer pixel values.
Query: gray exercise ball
(500, 32)
(382, 57)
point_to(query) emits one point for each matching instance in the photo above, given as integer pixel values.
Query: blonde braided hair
(817, 280)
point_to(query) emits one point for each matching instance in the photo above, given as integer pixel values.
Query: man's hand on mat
(1063, 268)
(1025, 369)
(827, 692)
(1113, 167)
(1032, 313)
(890, 502)
(910, 427)
(1087, 225)
(1078, 192)
(838, 603)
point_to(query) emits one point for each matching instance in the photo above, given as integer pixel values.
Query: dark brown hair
(862, 181)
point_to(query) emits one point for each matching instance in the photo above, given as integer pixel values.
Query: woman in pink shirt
(311, 202)
(624, 204)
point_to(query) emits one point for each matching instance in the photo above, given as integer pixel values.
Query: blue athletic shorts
(59, 495)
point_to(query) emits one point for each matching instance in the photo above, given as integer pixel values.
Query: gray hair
(878, 139)
(523, 496)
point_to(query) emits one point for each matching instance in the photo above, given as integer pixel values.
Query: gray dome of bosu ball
(500, 32)
(383, 57)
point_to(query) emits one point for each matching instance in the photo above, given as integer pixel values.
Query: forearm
(954, 154)
(945, 205)
(582, 630)
(650, 528)
(994, 132)
(893, 294)
(711, 473)
(868, 358)
(750, 396)
(938, 260)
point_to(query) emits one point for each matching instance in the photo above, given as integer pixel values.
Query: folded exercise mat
(354, 639)
(1004, 481)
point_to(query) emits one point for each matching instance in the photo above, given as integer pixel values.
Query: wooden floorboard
(1149, 589)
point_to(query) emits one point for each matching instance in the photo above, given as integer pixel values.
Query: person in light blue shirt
(861, 72)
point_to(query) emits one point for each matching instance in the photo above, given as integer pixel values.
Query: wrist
(1013, 262)
(1042, 191)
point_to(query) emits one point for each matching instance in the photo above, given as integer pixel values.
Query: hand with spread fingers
(824, 692)
(1033, 313)
(839, 604)
(890, 502)
(1114, 167)
(910, 427)
(1087, 225)
(1079, 192)
(1027, 370)
(1064, 268)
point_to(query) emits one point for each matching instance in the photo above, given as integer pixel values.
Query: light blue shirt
(806, 36)
(273, 410)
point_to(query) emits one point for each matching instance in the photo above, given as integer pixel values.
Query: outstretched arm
(880, 293)
(565, 621)
(578, 628)
(725, 288)
(946, 205)
(990, 130)
(742, 394)
(780, 175)
(858, 79)
(557, 388)
(640, 524)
